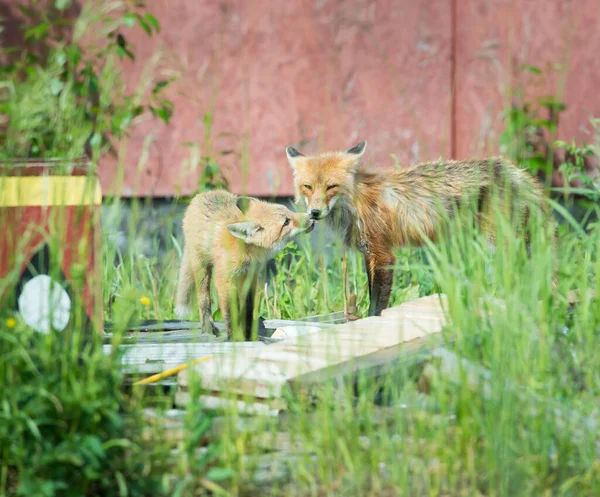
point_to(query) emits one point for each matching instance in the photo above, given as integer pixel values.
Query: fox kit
(376, 211)
(233, 237)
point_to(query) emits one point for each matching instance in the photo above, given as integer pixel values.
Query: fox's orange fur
(376, 211)
(232, 237)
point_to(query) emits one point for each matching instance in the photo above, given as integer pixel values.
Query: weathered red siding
(416, 78)
(317, 74)
(495, 38)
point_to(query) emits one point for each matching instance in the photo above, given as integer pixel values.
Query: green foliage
(199, 469)
(519, 125)
(60, 94)
(67, 425)
(529, 135)
(538, 354)
(211, 176)
(66, 428)
(523, 123)
(573, 168)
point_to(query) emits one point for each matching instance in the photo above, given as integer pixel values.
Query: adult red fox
(233, 237)
(376, 211)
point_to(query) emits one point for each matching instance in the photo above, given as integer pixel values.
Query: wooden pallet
(262, 374)
(163, 348)
(148, 358)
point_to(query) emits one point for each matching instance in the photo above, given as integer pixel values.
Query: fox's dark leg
(249, 311)
(205, 307)
(246, 301)
(224, 289)
(380, 281)
(203, 276)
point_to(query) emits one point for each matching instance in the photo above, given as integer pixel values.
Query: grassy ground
(302, 281)
(67, 427)
(464, 439)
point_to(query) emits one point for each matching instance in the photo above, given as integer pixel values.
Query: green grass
(69, 428)
(523, 423)
(306, 282)
(540, 356)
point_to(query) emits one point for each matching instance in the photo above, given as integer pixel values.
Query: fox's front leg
(224, 288)
(381, 277)
(203, 275)
(248, 304)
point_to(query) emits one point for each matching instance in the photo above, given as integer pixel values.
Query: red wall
(319, 74)
(495, 38)
(416, 78)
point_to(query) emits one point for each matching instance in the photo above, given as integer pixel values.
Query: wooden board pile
(254, 379)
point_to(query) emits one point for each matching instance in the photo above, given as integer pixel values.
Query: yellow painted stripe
(19, 191)
(170, 372)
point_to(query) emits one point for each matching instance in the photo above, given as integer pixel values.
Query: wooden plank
(413, 314)
(388, 331)
(179, 336)
(285, 358)
(320, 319)
(281, 441)
(326, 352)
(189, 331)
(373, 364)
(151, 358)
(238, 374)
(257, 408)
(169, 426)
(264, 373)
(166, 325)
(437, 301)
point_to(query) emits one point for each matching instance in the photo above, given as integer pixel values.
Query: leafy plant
(526, 126)
(573, 167)
(64, 71)
(528, 138)
(199, 468)
(66, 428)
(211, 176)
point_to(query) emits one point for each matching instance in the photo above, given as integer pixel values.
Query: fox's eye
(331, 187)
(308, 187)
(287, 221)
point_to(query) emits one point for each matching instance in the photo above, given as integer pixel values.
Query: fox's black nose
(315, 213)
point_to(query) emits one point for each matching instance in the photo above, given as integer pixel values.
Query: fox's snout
(304, 222)
(317, 207)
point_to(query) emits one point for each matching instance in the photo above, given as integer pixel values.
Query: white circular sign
(44, 304)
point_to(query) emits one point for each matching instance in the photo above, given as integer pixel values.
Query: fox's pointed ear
(359, 149)
(292, 155)
(244, 230)
(356, 154)
(243, 203)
